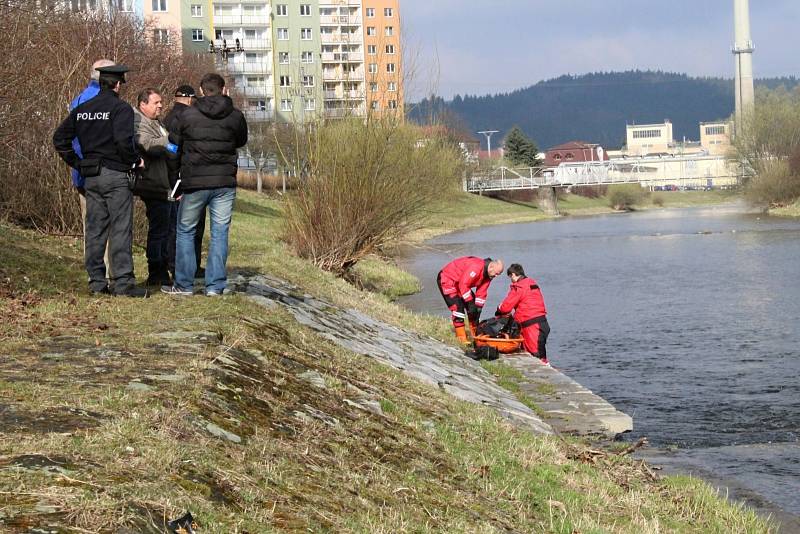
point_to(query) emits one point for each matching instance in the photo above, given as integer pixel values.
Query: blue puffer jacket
(87, 94)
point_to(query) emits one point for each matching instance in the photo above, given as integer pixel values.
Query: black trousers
(158, 221)
(109, 218)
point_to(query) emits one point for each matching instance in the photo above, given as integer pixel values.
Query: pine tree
(520, 150)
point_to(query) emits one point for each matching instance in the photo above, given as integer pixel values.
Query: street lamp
(488, 134)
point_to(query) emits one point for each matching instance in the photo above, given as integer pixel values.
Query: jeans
(220, 207)
(158, 220)
(109, 219)
(172, 237)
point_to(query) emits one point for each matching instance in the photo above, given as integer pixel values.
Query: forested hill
(595, 107)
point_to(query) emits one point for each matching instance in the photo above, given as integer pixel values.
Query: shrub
(590, 191)
(367, 184)
(626, 196)
(658, 200)
(774, 186)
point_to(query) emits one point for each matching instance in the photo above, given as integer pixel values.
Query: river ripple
(685, 319)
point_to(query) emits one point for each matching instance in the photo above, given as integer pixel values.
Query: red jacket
(465, 273)
(525, 298)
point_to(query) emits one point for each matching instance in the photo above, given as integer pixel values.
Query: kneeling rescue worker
(525, 300)
(456, 282)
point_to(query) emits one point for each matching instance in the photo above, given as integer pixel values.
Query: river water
(686, 319)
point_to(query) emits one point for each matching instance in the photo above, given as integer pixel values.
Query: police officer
(104, 128)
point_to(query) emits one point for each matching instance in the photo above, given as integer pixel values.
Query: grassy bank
(788, 211)
(106, 417)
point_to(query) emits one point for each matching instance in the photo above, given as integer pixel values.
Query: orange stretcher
(504, 344)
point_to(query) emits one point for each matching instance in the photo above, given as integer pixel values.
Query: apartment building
(289, 60)
(383, 59)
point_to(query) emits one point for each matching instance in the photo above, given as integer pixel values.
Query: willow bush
(768, 142)
(367, 184)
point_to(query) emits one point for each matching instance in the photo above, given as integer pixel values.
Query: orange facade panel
(383, 58)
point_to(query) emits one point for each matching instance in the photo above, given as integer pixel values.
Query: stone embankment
(564, 405)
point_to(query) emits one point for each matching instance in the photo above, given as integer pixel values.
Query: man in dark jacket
(184, 98)
(104, 128)
(208, 134)
(153, 185)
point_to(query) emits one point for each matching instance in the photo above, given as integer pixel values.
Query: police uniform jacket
(104, 128)
(209, 134)
(152, 140)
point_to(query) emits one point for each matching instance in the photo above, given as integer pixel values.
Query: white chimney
(743, 52)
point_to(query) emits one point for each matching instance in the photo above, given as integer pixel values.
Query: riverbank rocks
(423, 358)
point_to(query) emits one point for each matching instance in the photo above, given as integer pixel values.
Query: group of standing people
(179, 167)
(464, 285)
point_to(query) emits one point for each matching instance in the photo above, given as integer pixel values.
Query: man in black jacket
(104, 128)
(184, 98)
(208, 134)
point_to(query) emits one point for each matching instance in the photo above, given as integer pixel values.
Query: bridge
(680, 171)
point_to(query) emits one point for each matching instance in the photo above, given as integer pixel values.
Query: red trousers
(535, 338)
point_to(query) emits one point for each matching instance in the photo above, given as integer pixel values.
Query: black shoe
(135, 292)
(100, 292)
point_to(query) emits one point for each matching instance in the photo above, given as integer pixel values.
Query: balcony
(339, 20)
(246, 44)
(336, 38)
(342, 57)
(338, 113)
(255, 91)
(241, 20)
(258, 114)
(337, 75)
(248, 67)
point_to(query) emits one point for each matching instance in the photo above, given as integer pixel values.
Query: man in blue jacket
(78, 181)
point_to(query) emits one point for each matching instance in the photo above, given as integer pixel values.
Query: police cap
(185, 91)
(114, 72)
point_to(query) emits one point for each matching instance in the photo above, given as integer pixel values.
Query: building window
(125, 5)
(161, 36)
(197, 10)
(286, 104)
(372, 49)
(283, 58)
(389, 31)
(715, 130)
(373, 87)
(646, 134)
(390, 67)
(392, 86)
(390, 49)
(371, 12)
(392, 104)
(307, 57)
(308, 81)
(305, 10)
(388, 12)
(373, 104)
(281, 10)
(259, 105)
(283, 34)
(373, 68)
(569, 155)
(159, 5)
(371, 31)
(197, 35)
(285, 81)
(311, 104)
(305, 34)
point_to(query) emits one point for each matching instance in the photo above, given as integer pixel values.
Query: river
(686, 319)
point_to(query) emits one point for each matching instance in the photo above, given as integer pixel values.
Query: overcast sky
(493, 46)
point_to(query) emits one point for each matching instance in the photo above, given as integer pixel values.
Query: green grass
(787, 211)
(429, 464)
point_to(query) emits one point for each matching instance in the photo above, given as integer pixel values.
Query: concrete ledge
(564, 404)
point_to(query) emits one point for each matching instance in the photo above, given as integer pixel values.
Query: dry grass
(101, 455)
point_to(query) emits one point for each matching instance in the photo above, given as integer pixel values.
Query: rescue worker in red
(456, 282)
(525, 300)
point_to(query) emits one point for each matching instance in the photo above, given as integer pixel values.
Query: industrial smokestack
(743, 52)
